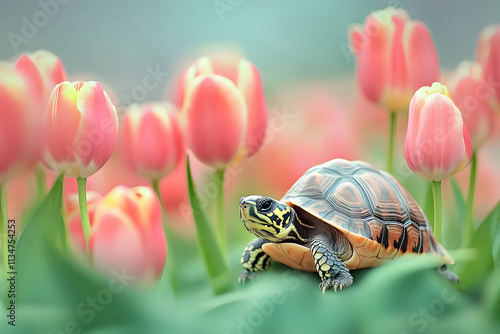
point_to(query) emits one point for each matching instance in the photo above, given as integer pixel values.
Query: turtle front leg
(332, 271)
(254, 260)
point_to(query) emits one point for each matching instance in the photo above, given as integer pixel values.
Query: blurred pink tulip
(395, 57)
(245, 76)
(127, 234)
(437, 141)
(215, 116)
(468, 93)
(82, 127)
(153, 143)
(487, 55)
(314, 127)
(43, 70)
(20, 124)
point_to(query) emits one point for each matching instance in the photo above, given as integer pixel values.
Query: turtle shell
(369, 206)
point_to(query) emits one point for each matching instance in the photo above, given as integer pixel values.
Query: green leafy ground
(58, 294)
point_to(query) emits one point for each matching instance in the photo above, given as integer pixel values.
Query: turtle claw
(337, 283)
(247, 276)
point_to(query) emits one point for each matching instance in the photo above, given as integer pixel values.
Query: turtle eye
(266, 206)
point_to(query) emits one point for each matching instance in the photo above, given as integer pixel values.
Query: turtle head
(266, 217)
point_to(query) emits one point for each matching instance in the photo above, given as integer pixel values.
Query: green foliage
(476, 270)
(209, 246)
(402, 296)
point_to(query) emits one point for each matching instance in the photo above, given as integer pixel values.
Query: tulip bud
(82, 127)
(245, 76)
(488, 49)
(127, 234)
(215, 115)
(437, 142)
(152, 140)
(395, 57)
(43, 70)
(471, 97)
(19, 124)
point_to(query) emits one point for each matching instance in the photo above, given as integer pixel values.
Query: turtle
(338, 216)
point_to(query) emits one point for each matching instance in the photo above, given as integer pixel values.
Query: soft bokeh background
(286, 39)
(316, 114)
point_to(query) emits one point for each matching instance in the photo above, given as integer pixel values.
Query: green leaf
(42, 229)
(496, 242)
(483, 240)
(209, 247)
(492, 293)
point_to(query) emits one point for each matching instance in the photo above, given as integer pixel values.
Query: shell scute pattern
(374, 211)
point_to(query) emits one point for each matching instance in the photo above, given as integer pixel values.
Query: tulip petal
(395, 56)
(421, 50)
(29, 70)
(372, 68)
(13, 113)
(116, 244)
(152, 140)
(98, 129)
(437, 143)
(63, 123)
(471, 95)
(250, 86)
(215, 120)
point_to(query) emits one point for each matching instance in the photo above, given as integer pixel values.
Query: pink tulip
(215, 116)
(488, 56)
(437, 142)
(127, 234)
(20, 124)
(43, 70)
(152, 140)
(245, 76)
(471, 96)
(82, 127)
(395, 57)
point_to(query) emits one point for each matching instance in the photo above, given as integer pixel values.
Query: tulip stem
(41, 182)
(438, 215)
(469, 223)
(219, 210)
(390, 154)
(170, 261)
(156, 188)
(84, 214)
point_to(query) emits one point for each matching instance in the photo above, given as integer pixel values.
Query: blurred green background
(286, 39)
(292, 43)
